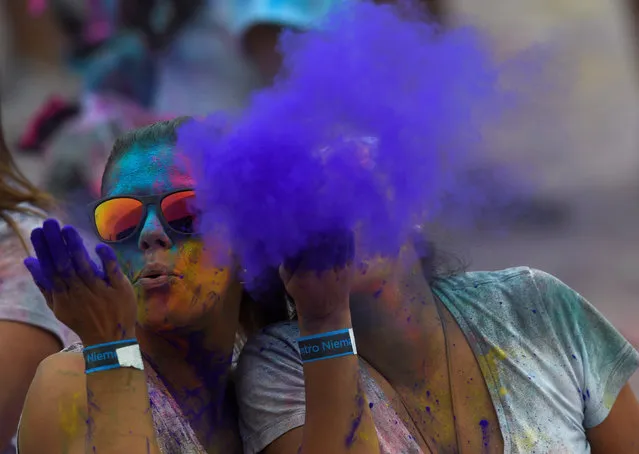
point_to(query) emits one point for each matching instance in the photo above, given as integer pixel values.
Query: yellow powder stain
(366, 438)
(493, 356)
(70, 415)
(488, 365)
(503, 391)
(609, 400)
(530, 439)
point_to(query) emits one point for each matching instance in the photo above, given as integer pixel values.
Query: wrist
(121, 334)
(332, 321)
(113, 355)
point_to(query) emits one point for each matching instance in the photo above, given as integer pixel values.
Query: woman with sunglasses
(174, 329)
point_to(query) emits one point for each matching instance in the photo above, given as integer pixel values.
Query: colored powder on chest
(350, 438)
(485, 436)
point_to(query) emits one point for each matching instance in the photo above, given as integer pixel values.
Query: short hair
(160, 133)
(263, 307)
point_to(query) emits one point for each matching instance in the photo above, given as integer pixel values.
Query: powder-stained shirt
(553, 365)
(20, 299)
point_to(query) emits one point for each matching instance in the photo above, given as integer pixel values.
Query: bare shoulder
(55, 409)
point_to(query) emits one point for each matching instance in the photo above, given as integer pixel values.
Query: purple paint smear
(485, 433)
(357, 420)
(367, 128)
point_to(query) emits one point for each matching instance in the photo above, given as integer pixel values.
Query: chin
(168, 321)
(171, 310)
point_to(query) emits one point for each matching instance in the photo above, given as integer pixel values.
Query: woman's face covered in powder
(195, 285)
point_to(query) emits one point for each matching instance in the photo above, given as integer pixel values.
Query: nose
(153, 236)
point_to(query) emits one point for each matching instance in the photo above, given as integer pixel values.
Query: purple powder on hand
(364, 129)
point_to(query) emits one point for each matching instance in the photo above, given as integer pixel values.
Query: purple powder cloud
(372, 117)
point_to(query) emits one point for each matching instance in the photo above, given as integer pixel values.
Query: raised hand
(99, 305)
(319, 279)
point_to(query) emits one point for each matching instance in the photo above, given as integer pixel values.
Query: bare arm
(619, 432)
(22, 348)
(338, 418)
(56, 410)
(120, 418)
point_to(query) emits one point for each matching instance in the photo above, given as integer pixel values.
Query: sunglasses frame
(146, 201)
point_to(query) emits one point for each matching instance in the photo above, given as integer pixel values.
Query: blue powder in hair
(372, 115)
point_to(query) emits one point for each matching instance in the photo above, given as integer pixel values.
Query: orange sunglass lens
(116, 219)
(179, 211)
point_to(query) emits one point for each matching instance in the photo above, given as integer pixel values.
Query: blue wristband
(333, 344)
(113, 355)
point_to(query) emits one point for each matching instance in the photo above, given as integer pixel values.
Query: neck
(182, 359)
(393, 316)
(195, 366)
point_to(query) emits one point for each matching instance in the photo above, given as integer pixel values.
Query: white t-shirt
(20, 299)
(552, 363)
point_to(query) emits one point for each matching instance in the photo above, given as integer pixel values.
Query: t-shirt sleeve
(20, 299)
(270, 387)
(606, 359)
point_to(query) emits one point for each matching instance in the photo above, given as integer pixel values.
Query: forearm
(22, 348)
(338, 417)
(120, 418)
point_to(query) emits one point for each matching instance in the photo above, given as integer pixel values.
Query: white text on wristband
(333, 344)
(113, 355)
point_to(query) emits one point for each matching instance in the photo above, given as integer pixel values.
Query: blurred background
(74, 74)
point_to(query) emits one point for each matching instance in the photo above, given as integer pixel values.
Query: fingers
(61, 260)
(343, 250)
(45, 287)
(37, 274)
(45, 260)
(113, 274)
(290, 266)
(327, 251)
(84, 267)
(285, 274)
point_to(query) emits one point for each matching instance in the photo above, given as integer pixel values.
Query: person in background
(29, 332)
(257, 24)
(202, 71)
(114, 46)
(119, 53)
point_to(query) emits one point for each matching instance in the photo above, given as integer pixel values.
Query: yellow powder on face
(197, 267)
